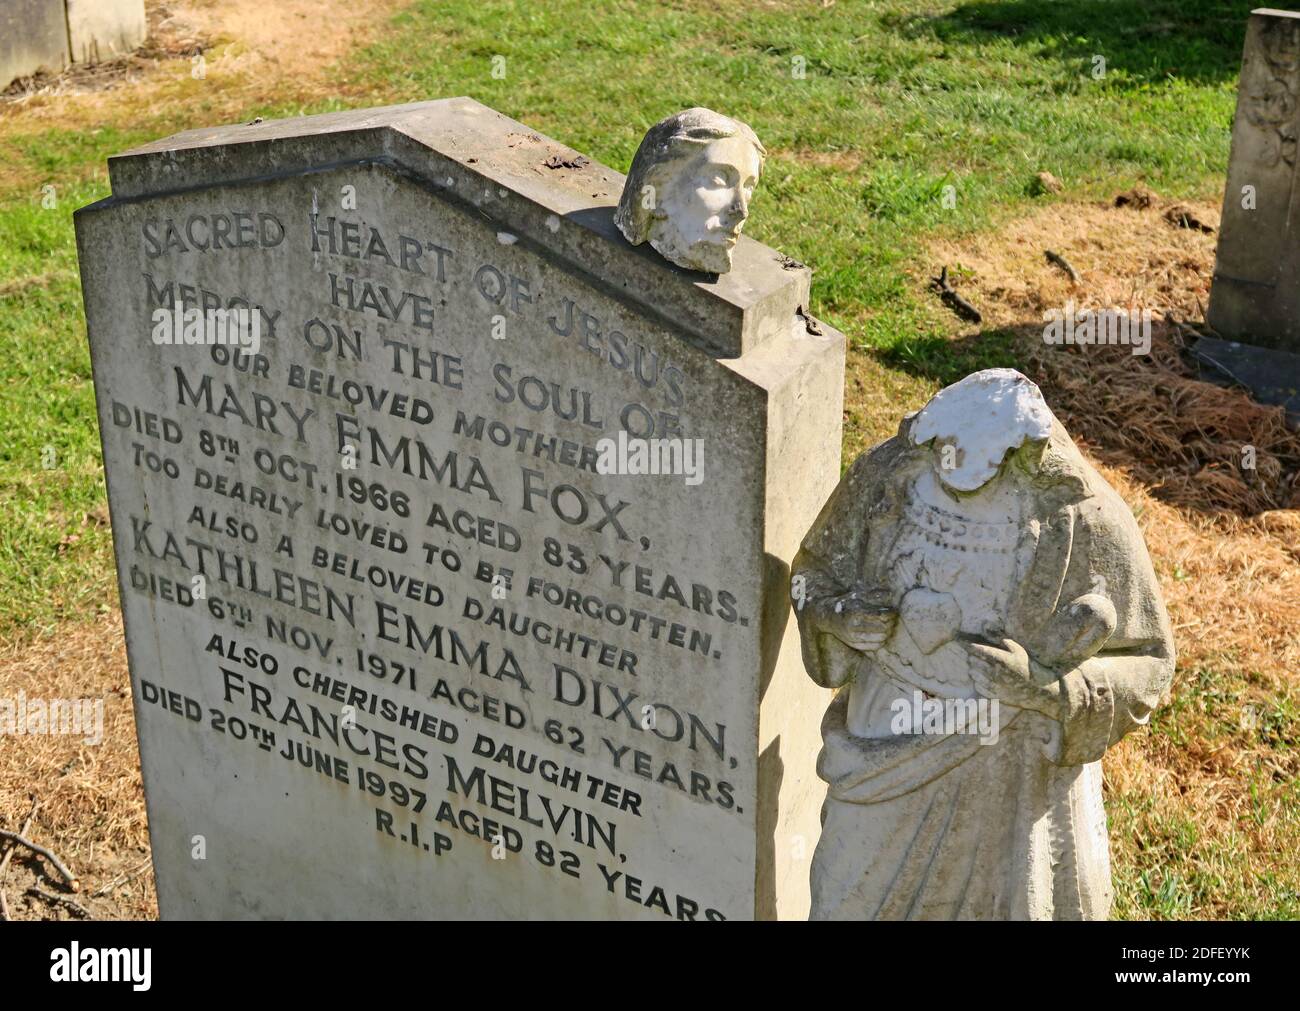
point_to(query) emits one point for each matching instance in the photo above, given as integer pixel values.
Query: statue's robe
(944, 827)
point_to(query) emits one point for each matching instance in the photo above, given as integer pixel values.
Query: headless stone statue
(985, 603)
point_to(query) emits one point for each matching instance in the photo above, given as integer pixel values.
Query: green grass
(51, 474)
(900, 100)
(979, 96)
(1180, 854)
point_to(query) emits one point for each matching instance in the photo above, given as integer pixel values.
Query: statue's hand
(862, 620)
(1001, 671)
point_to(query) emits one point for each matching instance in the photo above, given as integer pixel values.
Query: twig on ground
(1182, 216)
(952, 299)
(1063, 263)
(73, 883)
(27, 824)
(63, 900)
(4, 861)
(123, 879)
(1205, 320)
(1182, 329)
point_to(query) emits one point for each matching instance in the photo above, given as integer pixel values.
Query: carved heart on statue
(931, 618)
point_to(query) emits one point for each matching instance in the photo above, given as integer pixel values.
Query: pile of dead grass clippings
(1193, 443)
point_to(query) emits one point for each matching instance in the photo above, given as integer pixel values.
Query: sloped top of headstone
(532, 186)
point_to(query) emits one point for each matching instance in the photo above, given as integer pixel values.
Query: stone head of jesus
(981, 422)
(689, 187)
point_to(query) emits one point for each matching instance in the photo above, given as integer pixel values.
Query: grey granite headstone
(33, 36)
(1256, 292)
(400, 644)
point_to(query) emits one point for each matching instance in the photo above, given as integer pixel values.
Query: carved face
(704, 204)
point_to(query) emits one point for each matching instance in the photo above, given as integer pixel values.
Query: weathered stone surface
(102, 29)
(994, 630)
(33, 36)
(471, 145)
(1256, 292)
(464, 323)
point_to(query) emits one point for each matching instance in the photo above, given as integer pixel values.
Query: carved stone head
(689, 188)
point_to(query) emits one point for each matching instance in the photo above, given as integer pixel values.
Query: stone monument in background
(48, 35)
(412, 631)
(1255, 297)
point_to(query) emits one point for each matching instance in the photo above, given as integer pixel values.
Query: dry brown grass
(91, 812)
(1148, 414)
(171, 36)
(840, 161)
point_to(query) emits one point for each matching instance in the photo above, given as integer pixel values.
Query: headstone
(33, 36)
(1256, 292)
(401, 644)
(986, 603)
(102, 29)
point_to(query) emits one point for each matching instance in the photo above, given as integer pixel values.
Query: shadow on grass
(945, 360)
(1147, 40)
